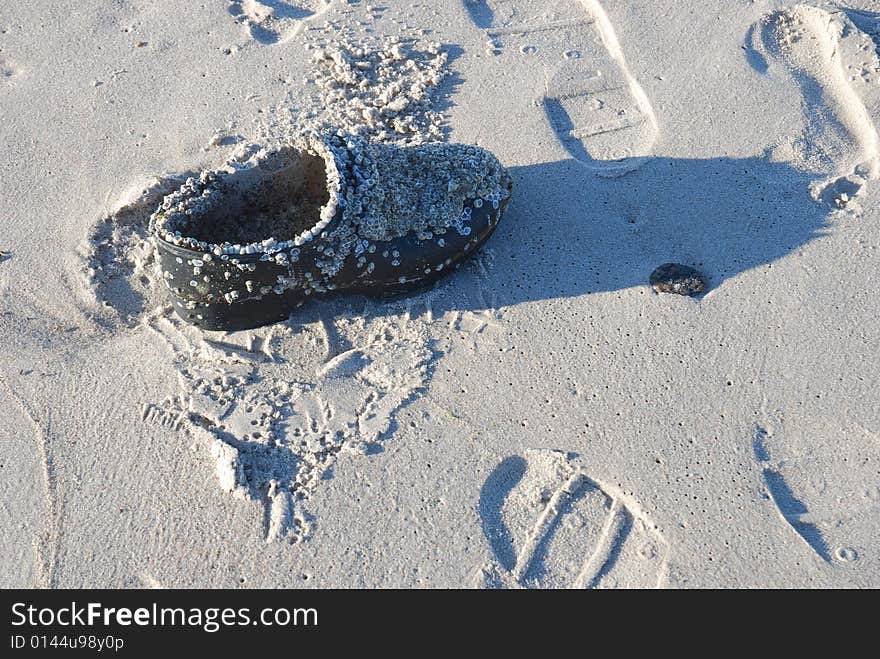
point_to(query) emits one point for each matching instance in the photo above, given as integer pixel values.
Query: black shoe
(244, 246)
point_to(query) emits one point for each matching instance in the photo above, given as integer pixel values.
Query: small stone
(678, 279)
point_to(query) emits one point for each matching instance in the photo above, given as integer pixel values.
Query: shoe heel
(228, 292)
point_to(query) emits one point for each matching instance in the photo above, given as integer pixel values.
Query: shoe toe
(411, 260)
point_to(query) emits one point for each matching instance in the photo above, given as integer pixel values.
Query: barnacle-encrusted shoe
(245, 245)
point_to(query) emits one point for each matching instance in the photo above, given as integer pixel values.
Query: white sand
(540, 418)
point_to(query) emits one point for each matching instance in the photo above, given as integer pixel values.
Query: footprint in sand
(275, 21)
(276, 406)
(596, 107)
(822, 478)
(550, 525)
(837, 67)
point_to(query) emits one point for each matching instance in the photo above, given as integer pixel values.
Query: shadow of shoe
(566, 234)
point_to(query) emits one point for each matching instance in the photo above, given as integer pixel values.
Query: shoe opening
(280, 198)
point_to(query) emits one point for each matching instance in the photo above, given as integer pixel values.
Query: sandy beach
(539, 418)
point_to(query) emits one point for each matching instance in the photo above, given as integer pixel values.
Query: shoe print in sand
(550, 525)
(596, 107)
(830, 508)
(836, 65)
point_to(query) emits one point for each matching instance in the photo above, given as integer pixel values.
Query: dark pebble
(677, 278)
